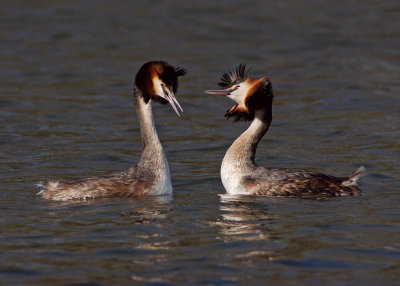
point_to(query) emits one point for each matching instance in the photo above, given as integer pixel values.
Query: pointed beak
(222, 92)
(170, 97)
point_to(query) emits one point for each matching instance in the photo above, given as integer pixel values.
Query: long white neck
(150, 140)
(153, 158)
(239, 159)
(243, 150)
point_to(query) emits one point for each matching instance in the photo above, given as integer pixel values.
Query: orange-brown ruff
(240, 174)
(154, 81)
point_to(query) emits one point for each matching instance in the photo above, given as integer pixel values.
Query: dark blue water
(66, 112)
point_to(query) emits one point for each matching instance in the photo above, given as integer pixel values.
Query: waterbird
(240, 174)
(155, 81)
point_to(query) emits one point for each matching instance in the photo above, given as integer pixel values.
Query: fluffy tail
(352, 180)
(47, 189)
(40, 185)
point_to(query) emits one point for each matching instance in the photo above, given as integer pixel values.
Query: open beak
(170, 97)
(223, 92)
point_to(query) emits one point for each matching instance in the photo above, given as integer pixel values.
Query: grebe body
(240, 175)
(155, 81)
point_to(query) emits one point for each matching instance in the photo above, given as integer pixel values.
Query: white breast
(231, 176)
(164, 186)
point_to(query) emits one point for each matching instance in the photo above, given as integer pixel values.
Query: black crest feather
(180, 71)
(238, 114)
(170, 76)
(234, 77)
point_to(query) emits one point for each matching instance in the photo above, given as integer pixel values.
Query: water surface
(66, 111)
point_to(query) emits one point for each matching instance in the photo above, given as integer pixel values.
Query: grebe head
(158, 80)
(249, 94)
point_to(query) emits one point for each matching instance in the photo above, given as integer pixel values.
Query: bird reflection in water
(244, 218)
(246, 222)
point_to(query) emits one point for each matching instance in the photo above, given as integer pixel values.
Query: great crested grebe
(240, 174)
(155, 81)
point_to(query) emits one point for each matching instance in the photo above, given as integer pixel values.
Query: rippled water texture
(66, 111)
